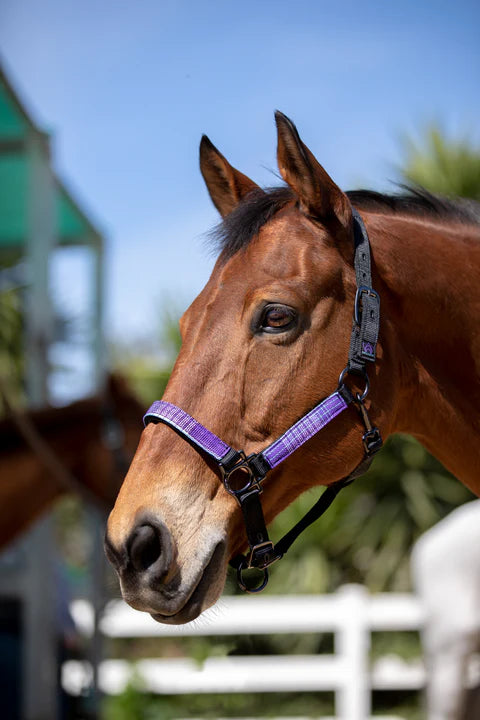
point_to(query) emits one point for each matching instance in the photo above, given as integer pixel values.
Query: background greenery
(11, 341)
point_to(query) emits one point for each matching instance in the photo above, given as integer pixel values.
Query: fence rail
(351, 615)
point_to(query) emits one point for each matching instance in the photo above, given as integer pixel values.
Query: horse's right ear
(226, 185)
(318, 195)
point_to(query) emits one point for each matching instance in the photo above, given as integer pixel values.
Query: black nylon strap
(362, 262)
(255, 524)
(253, 514)
(321, 506)
(366, 321)
(232, 458)
(259, 466)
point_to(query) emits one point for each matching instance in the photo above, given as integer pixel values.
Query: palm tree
(447, 167)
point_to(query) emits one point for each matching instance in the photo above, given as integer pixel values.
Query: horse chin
(179, 602)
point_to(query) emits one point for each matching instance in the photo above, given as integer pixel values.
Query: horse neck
(428, 280)
(56, 425)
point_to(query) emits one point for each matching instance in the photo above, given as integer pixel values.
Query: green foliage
(11, 343)
(148, 369)
(148, 376)
(134, 705)
(443, 166)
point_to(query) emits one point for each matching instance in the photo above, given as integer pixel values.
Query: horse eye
(277, 318)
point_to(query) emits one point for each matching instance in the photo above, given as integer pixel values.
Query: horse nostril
(145, 547)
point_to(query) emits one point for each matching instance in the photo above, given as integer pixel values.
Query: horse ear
(319, 196)
(226, 185)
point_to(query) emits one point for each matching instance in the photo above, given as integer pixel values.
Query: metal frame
(35, 582)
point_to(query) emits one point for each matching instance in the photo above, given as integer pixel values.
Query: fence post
(352, 642)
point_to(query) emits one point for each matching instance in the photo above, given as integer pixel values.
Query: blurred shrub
(11, 343)
(448, 167)
(134, 705)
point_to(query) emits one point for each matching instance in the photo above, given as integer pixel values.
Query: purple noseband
(190, 429)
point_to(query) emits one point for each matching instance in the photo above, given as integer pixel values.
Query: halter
(242, 476)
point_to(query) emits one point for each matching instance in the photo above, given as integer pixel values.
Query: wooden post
(352, 642)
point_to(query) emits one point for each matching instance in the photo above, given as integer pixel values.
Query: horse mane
(238, 228)
(418, 202)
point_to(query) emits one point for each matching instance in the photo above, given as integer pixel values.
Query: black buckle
(260, 556)
(372, 441)
(362, 290)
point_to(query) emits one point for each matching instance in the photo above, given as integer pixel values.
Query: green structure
(38, 214)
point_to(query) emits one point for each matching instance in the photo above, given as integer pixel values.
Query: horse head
(263, 343)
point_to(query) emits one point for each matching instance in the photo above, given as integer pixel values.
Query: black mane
(258, 207)
(418, 202)
(244, 222)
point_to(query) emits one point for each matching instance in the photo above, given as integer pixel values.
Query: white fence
(351, 615)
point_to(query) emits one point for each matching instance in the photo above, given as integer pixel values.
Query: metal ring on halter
(241, 468)
(346, 371)
(242, 584)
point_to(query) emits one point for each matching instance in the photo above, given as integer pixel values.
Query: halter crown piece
(242, 476)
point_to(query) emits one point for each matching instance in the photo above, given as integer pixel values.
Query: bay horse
(91, 442)
(266, 341)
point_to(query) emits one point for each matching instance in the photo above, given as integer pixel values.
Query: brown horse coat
(75, 435)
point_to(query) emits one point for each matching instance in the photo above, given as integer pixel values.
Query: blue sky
(128, 88)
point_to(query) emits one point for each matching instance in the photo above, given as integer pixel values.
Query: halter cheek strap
(242, 476)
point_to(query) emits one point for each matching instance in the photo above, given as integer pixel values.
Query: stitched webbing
(366, 321)
(293, 438)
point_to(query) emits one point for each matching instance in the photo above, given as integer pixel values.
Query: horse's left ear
(319, 196)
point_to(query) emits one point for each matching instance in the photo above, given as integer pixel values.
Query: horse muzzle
(153, 581)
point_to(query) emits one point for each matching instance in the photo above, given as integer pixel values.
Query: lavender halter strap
(189, 428)
(185, 425)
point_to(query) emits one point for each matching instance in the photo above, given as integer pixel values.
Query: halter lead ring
(234, 463)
